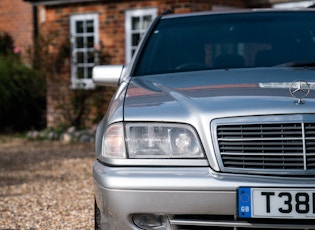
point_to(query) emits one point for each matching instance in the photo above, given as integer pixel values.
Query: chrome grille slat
(261, 139)
(226, 222)
(267, 165)
(259, 159)
(260, 148)
(266, 147)
(260, 154)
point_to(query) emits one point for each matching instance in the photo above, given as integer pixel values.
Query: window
(84, 39)
(224, 41)
(136, 23)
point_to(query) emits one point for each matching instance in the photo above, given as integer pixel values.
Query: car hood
(217, 93)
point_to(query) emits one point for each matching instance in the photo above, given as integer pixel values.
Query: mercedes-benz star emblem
(299, 89)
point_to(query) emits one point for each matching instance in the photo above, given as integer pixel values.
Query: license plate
(276, 203)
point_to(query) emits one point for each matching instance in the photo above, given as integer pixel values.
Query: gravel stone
(45, 184)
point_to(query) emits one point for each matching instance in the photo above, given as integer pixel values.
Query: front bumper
(188, 196)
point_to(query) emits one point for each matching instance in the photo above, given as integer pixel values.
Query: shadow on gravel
(26, 158)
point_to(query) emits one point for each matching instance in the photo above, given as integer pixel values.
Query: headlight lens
(155, 140)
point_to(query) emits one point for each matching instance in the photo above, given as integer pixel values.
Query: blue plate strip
(244, 203)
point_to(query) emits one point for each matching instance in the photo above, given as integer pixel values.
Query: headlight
(151, 140)
(159, 140)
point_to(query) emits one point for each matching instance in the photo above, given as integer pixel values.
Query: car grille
(287, 148)
(226, 222)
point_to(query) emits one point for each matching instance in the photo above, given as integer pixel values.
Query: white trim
(128, 30)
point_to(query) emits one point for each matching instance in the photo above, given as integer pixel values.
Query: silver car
(212, 125)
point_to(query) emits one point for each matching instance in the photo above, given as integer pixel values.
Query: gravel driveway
(45, 185)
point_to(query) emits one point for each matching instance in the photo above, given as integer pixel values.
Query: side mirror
(107, 75)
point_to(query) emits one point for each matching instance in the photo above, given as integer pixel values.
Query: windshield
(225, 41)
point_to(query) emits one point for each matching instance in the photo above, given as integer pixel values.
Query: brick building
(77, 34)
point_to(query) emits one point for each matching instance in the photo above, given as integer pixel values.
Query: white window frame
(129, 14)
(86, 82)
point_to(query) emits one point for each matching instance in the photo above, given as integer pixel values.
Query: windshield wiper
(298, 64)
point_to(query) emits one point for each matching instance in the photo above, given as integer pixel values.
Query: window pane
(91, 57)
(80, 72)
(79, 27)
(89, 26)
(80, 57)
(90, 72)
(146, 21)
(133, 50)
(135, 23)
(90, 42)
(135, 39)
(79, 42)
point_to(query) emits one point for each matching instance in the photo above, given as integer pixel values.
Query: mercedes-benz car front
(212, 125)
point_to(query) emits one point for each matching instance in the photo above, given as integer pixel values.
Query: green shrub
(22, 96)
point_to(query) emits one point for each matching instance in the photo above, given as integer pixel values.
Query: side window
(84, 38)
(136, 23)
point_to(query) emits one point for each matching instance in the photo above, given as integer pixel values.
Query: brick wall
(16, 19)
